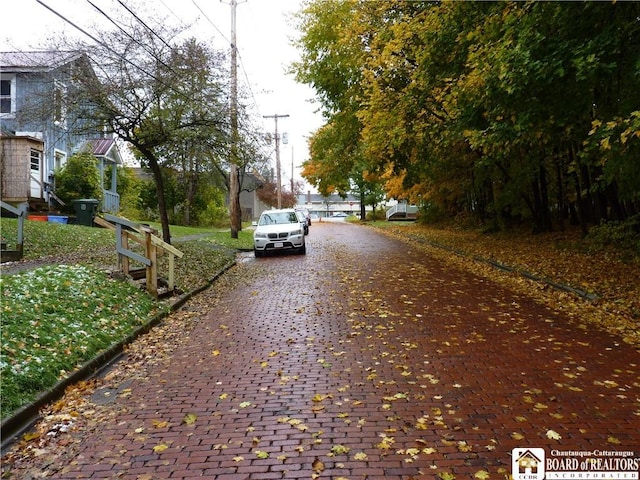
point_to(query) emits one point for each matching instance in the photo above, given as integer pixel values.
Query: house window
(59, 159)
(59, 105)
(35, 160)
(7, 95)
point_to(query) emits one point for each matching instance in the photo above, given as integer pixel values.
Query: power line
(172, 12)
(145, 25)
(212, 24)
(145, 47)
(99, 42)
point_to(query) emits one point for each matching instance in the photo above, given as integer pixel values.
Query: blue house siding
(44, 107)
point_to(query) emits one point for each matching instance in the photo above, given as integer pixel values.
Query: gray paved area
(364, 359)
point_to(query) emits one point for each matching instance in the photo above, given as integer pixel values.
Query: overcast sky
(264, 31)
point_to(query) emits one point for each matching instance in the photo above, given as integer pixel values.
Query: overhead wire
(144, 24)
(131, 37)
(98, 41)
(212, 24)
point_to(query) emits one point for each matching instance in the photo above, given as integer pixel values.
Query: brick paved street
(364, 359)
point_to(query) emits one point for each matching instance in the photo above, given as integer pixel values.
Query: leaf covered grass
(55, 318)
(44, 239)
(59, 308)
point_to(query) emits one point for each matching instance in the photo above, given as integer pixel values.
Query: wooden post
(151, 253)
(123, 259)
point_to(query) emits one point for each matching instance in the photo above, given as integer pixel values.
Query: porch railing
(402, 210)
(110, 201)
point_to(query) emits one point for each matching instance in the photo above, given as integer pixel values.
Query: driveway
(364, 359)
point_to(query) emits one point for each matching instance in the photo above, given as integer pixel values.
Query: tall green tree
(331, 61)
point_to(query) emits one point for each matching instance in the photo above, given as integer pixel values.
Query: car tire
(303, 249)
(258, 253)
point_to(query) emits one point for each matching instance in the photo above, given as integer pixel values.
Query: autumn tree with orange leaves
(510, 112)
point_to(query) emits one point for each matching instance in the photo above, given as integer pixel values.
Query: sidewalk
(363, 359)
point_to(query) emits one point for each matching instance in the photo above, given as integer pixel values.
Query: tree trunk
(536, 208)
(560, 195)
(544, 197)
(579, 200)
(192, 188)
(162, 204)
(234, 202)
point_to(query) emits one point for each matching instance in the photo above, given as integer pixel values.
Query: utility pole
(235, 212)
(278, 173)
(292, 171)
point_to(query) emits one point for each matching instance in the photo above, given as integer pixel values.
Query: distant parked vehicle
(303, 221)
(307, 215)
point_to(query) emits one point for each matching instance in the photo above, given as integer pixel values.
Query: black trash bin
(86, 209)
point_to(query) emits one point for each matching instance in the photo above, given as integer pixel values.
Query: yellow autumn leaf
(340, 450)
(428, 450)
(613, 440)
(446, 476)
(412, 451)
(215, 353)
(160, 448)
(361, 456)
(223, 396)
(553, 435)
(464, 446)
(190, 418)
(481, 474)
(160, 424)
(262, 454)
(238, 459)
(517, 436)
(27, 437)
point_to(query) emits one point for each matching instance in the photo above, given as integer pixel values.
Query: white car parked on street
(278, 230)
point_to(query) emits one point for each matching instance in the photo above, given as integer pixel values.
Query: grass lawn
(60, 314)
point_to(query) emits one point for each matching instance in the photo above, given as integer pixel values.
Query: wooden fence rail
(154, 247)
